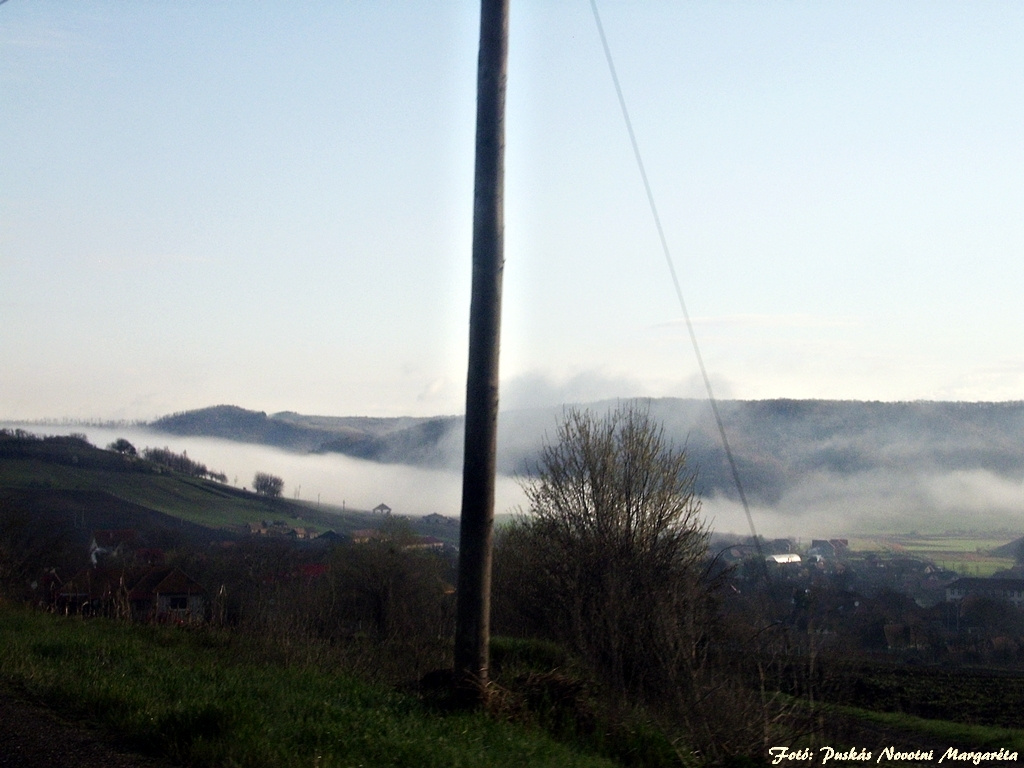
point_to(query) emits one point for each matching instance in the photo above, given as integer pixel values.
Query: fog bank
(330, 478)
(804, 497)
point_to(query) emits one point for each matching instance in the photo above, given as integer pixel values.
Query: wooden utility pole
(473, 608)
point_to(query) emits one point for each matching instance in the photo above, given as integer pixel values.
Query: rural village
(884, 602)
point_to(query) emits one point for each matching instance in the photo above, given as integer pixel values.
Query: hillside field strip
(967, 553)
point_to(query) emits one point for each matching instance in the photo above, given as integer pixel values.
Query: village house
(164, 594)
(778, 547)
(1010, 590)
(154, 594)
(331, 538)
(737, 553)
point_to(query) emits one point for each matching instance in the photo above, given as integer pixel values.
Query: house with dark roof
(164, 594)
(330, 539)
(822, 548)
(149, 594)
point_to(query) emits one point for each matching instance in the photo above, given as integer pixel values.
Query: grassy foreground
(202, 699)
(972, 737)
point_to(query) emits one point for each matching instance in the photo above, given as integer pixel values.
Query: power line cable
(675, 282)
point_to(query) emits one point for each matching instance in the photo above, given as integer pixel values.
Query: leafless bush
(611, 561)
(610, 557)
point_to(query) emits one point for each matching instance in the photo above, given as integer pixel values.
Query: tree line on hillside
(263, 483)
(74, 449)
(180, 462)
(234, 423)
(120, 455)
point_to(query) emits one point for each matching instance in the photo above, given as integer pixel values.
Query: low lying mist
(823, 504)
(809, 468)
(331, 478)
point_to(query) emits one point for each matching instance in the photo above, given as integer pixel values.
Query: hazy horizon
(888, 498)
(100, 420)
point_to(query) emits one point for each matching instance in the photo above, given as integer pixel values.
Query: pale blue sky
(269, 204)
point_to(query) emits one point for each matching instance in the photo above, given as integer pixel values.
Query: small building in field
(382, 509)
(168, 594)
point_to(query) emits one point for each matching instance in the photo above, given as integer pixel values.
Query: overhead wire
(712, 400)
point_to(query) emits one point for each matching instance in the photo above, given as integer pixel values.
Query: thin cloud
(541, 390)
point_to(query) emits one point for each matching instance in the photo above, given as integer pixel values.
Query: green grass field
(200, 501)
(973, 737)
(969, 554)
(196, 500)
(204, 698)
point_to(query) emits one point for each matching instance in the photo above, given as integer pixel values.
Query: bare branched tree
(612, 553)
(611, 561)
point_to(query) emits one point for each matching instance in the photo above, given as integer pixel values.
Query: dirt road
(33, 737)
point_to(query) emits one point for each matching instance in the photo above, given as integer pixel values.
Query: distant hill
(777, 443)
(232, 423)
(396, 440)
(1014, 549)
